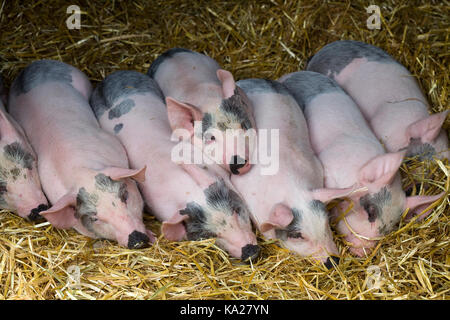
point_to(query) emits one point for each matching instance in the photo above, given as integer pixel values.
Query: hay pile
(251, 39)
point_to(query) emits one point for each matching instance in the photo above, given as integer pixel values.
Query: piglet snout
(250, 251)
(138, 240)
(34, 213)
(329, 264)
(239, 166)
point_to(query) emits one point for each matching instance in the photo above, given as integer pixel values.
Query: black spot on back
(40, 72)
(121, 84)
(161, 58)
(306, 85)
(120, 109)
(337, 55)
(118, 127)
(262, 85)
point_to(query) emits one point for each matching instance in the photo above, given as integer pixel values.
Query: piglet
(351, 154)
(287, 201)
(84, 170)
(193, 201)
(20, 186)
(198, 90)
(388, 96)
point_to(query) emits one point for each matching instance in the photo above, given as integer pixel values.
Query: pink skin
(195, 85)
(352, 155)
(73, 154)
(170, 187)
(390, 99)
(296, 185)
(23, 193)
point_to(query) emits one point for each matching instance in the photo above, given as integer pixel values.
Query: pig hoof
(329, 264)
(250, 251)
(138, 240)
(237, 163)
(34, 214)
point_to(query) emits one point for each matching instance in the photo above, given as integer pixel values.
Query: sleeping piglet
(198, 90)
(84, 170)
(20, 186)
(194, 201)
(287, 203)
(388, 96)
(351, 154)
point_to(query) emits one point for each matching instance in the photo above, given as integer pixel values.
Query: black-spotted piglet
(84, 170)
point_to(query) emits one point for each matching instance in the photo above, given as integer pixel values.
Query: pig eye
(296, 235)
(284, 234)
(88, 219)
(372, 212)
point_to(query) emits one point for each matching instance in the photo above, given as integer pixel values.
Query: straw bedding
(251, 39)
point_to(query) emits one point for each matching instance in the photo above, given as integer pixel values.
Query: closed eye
(296, 235)
(372, 212)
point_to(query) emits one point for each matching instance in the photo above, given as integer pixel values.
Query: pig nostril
(250, 251)
(34, 214)
(237, 163)
(329, 264)
(138, 240)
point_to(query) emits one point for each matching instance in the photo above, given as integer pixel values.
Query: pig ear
(62, 214)
(280, 217)
(182, 115)
(201, 175)
(418, 204)
(427, 129)
(173, 229)
(228, 83)
(117, 173)
(328, 194)
(6, 127)
(381, 170)
(150, 235)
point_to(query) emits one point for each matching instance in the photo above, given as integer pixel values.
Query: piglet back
(335, 56)
(120, 85)
(50, 71)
